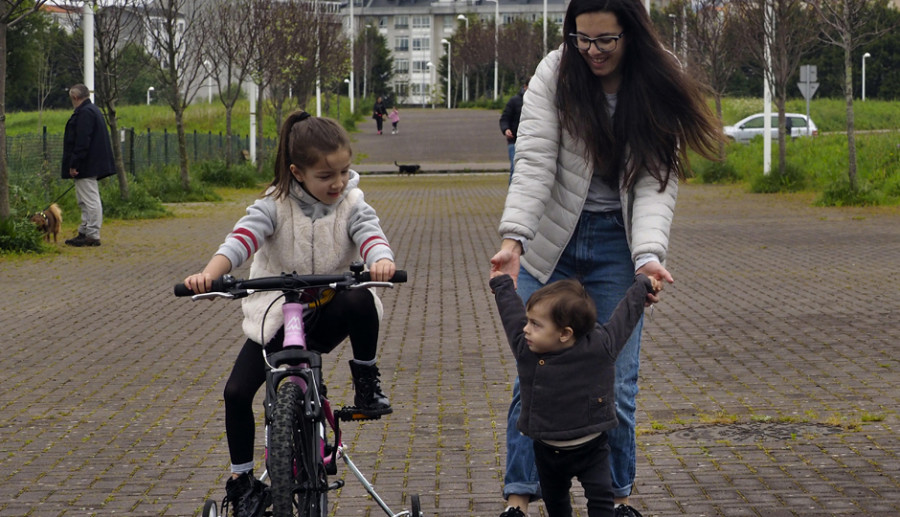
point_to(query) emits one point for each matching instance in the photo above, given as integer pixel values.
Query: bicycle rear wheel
(299, 484)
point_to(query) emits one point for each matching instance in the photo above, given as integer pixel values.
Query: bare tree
(11, 12)
(114, 35)
(177, 50)
(714, 47)
(848, 25)
(790, 27)
(231, 38)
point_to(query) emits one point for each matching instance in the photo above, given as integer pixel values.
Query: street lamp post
(430, 67)
(866, 55)
(449, 74)
(496, 43)
(150, 89)
(206, 65)
(465, 91)
(674, 29)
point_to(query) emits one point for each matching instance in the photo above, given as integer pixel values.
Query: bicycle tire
(294, 457)
(210, 509)
(415, 506)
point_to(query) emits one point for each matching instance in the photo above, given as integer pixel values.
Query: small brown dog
(48, 221)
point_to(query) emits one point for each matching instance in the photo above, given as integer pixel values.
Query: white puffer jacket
(551, 183)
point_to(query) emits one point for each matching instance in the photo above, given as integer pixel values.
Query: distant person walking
(87, 157)
(394, 117)
(378, 113)
(509, 123)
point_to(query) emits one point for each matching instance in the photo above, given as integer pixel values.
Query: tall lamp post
(449, 75)
(430, 67)
(496, 43)
(206, 65)
(674, 30)
(866, 55)
(465, 91)
(150, 89)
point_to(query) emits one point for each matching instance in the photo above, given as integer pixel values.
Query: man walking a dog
(87, 158)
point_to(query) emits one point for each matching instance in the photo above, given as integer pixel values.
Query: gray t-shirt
(602, 198)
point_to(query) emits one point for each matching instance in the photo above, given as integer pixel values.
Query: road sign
(808, 74)
(808, 89)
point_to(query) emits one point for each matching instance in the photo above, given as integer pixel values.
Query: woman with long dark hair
(606, 124)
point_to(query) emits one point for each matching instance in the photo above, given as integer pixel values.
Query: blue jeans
(598, 256)
(511, 149)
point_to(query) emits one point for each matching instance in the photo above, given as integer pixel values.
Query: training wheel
(416, 506)
(210, 509)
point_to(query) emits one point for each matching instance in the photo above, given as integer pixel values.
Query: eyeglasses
(605, 44)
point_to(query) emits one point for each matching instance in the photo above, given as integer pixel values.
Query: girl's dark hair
(569, 305)
(303, 141)
(660, 112)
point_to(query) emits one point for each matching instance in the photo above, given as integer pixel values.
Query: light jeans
(511, 149)
(598, 256)
(87, 192)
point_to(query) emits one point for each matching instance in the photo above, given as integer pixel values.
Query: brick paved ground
(769, 382)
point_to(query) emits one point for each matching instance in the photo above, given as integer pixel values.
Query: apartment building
(414, 30)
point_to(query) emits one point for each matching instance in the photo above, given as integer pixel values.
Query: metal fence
(40, 155)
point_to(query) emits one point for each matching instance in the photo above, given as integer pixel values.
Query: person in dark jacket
(566, 365)
(509, 123)
(379, 111)
(87, 158)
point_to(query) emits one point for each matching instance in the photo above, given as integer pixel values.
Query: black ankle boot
(367, 384)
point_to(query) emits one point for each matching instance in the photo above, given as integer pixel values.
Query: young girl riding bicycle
(312, 219)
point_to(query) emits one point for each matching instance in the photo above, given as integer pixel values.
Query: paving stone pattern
(769, 379)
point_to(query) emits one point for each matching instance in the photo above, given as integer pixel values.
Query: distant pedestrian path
(457, 139)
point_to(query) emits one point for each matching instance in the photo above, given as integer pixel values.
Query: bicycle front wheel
(299, 483)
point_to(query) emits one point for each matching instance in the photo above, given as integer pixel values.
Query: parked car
(752, 126)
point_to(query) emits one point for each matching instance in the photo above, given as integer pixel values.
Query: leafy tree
(848, 25)
(11, 13)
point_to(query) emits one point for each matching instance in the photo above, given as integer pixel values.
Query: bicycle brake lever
(240, 293)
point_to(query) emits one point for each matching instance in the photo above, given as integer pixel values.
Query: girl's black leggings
(350, 313)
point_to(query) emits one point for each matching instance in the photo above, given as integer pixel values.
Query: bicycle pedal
(352, 413)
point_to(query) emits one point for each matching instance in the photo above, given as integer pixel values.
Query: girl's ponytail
(283, 176)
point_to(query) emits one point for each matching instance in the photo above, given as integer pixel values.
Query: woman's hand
(383, 270)
(506, 261)
(656, 271)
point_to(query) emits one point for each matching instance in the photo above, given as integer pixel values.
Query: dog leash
(60, 196)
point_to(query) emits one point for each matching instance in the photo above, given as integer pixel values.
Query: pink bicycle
(299, 455)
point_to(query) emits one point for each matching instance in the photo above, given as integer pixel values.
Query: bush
(164, 182)
(241, 175)
(718, 172)
(139, 205)
(792, 180)
(19, 235)
(839, 193)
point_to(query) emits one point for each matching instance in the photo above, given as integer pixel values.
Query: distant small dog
(408, 169)
(48, 221)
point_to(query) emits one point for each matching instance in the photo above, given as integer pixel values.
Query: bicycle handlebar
(292, 282)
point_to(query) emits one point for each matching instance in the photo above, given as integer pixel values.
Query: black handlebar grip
(398, 278)
(218, 286)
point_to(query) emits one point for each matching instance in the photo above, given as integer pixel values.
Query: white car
(752, 126)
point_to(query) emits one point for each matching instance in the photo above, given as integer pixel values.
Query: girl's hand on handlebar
(199, 282)
(383, 270)
(655, 271)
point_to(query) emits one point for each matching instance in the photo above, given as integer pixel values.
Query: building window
(401, 66)
(401, 22)
(421, 44)
(382, 22)
(401, 89)
(401, 44)
(421, 22)
(420, 66)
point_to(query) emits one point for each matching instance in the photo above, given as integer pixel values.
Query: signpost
(808, 87)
